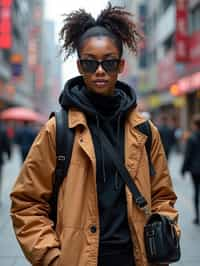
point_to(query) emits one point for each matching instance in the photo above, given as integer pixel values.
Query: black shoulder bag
(161, 241)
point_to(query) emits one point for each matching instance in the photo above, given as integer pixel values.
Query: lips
(100, 82)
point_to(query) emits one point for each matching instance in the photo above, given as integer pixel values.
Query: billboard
(181, 32)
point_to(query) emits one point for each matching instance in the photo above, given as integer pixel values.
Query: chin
(103, 92)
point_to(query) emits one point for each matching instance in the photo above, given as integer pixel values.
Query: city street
(11, 255)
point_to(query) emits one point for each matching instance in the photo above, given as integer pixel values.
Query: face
(100, 78)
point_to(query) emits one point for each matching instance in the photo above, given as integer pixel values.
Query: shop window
(194, 19)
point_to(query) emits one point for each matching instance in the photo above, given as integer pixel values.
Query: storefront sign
(185, 85)
(166, 71)
(5, 24)
(181, 33)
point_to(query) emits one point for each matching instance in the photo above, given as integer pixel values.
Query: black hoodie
(105, 113)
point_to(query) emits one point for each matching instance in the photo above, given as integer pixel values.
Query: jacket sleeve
(163, 197)
(29, 200)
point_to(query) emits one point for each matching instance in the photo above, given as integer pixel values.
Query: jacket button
(93, 229)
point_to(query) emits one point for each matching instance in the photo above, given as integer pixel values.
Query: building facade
(23, 65)
(173, 58)
(52, 68)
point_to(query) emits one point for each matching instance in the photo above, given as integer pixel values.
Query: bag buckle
(142, 204)
(146, 210)
(61, 158)
(150, 233)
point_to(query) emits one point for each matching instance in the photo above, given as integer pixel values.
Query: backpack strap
(64, 145)
(145, 128)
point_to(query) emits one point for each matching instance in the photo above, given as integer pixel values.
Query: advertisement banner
(181, 32)
(5, 24)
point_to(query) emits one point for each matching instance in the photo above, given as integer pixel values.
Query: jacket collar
(76, 118)
(134, 118)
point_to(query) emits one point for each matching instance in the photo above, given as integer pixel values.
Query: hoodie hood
(75, 91)
(103, 113)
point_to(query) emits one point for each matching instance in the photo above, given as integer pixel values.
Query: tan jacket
(75, 243)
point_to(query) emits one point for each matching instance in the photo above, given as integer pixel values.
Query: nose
(100, 69)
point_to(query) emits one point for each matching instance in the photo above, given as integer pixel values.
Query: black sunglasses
(90, 65)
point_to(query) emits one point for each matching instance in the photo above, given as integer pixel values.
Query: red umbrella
(21, 114)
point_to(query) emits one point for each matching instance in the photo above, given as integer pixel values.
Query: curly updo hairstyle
(115, 20)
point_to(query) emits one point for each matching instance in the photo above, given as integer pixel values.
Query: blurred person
(10, 131)
(191, 162)
(5, 149)
(24, 137)
(166, 134)
(98, 222)
(178, 134)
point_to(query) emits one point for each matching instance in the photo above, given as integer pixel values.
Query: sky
(54, 9)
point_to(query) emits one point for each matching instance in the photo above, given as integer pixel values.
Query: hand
(55, 262)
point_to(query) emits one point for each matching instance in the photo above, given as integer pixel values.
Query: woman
(98, 222)
(191, 163)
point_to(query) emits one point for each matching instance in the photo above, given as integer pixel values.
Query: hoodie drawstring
(116, 175)
(118, 136)
(102, 153)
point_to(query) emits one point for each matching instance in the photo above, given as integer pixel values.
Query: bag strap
(145, 128)
(139, 199)
(64, 145)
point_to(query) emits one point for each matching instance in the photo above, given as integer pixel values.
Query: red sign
(5, 24)
(166, 71)
(6, 3)
(194, 48)
(181, 33)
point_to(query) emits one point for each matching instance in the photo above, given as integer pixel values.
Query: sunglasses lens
(89, 66)
(110, 65)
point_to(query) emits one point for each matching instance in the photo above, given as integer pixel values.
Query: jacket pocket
(73, 248)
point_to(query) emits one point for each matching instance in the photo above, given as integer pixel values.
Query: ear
(121, 66)
(79, 67)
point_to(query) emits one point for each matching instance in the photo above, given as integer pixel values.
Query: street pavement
(11, 255)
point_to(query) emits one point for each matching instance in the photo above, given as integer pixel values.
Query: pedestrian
(98, 223)
(166, 134)
(5, 150)
(24, 137)
(191, 163)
